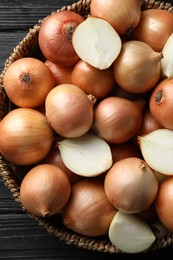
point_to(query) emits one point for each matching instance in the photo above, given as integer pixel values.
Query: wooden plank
(19, 15)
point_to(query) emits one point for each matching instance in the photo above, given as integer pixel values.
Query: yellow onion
(69, 110)
(161, 103)
(99, 83)
(137, 68)
(27, 81)
(154, 28)
(25, 137)
(131, 185)
(163, 203)
(45, 190)
(123, 15)
(116, 119)
(88, 211)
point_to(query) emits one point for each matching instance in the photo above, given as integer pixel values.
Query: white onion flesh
(157, 150)
(167, 60)
(96, 42)
(130, 233)
(87, 155)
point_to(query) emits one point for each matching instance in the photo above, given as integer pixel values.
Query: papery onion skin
(27, 81)
(137, 69)
(131, 185)
(154, 28)
(88, 212)
(61, 74)
(163, 203)
(69, 110)
(161, 103)
(26, 137)
(55, 36)
(45, 190)
(123, 15)
(116, 119)
(99, 83)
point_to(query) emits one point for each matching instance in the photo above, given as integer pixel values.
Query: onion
(166, 62)
(154, 28)
(123, 15)
(112, 116)
(87, 155)
(55, 37)
(161, 103)
(157, 149)
(26, 137)
(130, 233)
(137, 68)
(131, 185)
(66, 105)
(88, 211)
(27, 81)
(163, 203)
(62, 74)
(99, 83)
(96, 42)
(45, 190)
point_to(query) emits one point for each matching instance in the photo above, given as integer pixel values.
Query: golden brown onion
(88, 211)
(116, 119)
(25, 137)
(137, 68)
(69, 110)
(131, 185)
(45, 190)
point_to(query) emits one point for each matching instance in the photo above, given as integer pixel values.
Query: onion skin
(66, 105)
(163, 203)
(154, 28)
(99, 83)
(112, 116)
(45, 190)
(61, 74)
(131, 185)
(55, 37)
(26, 137)
(27, 81)
(88, 212)
(161, 103)
(137, 69)
(123, 15)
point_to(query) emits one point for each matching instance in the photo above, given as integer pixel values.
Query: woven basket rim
(7, 170)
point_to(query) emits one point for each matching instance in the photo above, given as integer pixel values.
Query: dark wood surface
(20, 236)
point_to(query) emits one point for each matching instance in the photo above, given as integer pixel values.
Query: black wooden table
(20, 236)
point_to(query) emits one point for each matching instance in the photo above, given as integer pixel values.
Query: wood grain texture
(20, 236)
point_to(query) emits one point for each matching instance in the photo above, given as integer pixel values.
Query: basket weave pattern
(29, 47)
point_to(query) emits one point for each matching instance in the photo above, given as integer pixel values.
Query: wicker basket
(10, 173)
